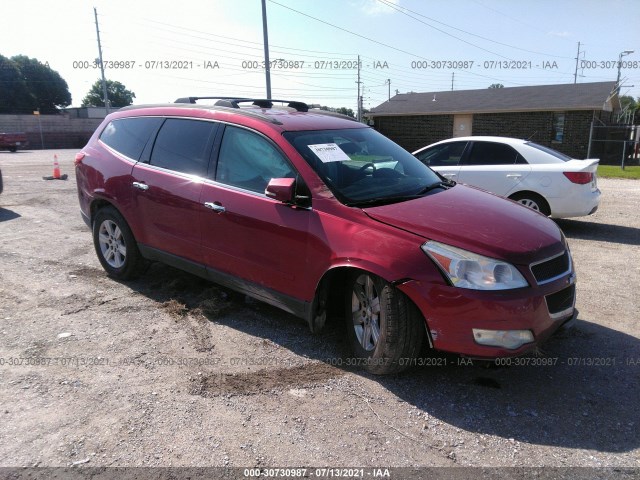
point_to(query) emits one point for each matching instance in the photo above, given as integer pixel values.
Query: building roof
(580, 96)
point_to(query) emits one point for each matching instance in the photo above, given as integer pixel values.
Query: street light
(622, 54)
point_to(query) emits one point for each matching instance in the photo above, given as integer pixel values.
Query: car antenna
(532, 135)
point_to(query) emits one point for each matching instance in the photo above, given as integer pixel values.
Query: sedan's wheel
(384, 328)
(115, 245)
(532, 201)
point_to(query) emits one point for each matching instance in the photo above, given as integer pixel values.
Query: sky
(165, 50)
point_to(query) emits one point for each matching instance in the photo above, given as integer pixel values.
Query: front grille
(561, 302)
(551, 269)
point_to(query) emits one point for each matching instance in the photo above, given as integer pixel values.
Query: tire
(533, 201)
(13, 149)
(385, 330)
(115, 246)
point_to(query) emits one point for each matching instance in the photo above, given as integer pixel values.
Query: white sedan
(536, 176)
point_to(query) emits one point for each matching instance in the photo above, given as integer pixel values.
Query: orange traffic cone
(56, 171)
(56, 168)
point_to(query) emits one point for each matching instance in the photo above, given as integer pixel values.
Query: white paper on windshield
(329, 152)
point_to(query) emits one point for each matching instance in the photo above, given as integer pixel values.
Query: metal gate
(614, 144)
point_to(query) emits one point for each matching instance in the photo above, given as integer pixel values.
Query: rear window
(130, 135)
(491, 153)
(550, 151)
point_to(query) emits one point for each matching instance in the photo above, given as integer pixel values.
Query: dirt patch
(263, 381)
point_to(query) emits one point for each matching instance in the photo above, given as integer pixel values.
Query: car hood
(472, 219)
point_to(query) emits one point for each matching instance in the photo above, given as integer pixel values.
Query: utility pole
(575, 75)
(105, 96)
(388, 82)
(266, 48)
(453, 76)
(622, 54)
(359, 116)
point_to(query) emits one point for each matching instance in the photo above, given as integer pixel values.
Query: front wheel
(384, 328)
(115, 246)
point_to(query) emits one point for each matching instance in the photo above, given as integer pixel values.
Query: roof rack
(234, 102)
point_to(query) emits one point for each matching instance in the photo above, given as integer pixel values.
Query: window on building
(557, 134)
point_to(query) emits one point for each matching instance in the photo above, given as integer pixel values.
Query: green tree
(342, 110)
(14, 94)
(627, 101)
(346, 111)
(48, 89)
(496, 85)
(118, 95)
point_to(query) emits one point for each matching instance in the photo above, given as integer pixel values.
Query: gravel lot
(170, 370)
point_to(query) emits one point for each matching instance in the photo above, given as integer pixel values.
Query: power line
(404, 9)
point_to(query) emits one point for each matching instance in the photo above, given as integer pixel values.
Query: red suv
(314, 212)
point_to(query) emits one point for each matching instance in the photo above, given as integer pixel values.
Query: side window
(445, 155)
(488, 153)
(184, 146)
(249, 161)
(130, 135)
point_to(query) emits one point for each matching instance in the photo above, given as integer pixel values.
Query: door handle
(141, 186)
(216, 207)
(513, 175)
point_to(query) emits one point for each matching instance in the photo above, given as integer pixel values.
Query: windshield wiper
(445, 184)
(401, 198)
(373, 202)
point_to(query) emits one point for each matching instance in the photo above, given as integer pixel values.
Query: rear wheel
(384, 328)
(115, 245)
(13, 149)
(532, 201)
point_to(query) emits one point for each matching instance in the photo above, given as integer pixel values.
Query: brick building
(558, 116)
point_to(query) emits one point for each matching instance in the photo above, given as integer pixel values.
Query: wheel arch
(330, 289)
(98, 204)
(515, 196)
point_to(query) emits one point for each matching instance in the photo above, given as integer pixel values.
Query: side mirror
(281, 189)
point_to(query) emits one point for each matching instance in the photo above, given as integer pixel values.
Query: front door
(246, 234)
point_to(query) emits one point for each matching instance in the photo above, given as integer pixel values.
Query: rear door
(493, 166)
(168, 187)
(444, 158)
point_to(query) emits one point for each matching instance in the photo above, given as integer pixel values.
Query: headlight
(469, 270)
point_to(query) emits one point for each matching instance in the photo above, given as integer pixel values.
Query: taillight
(579, 177)
(79, 157)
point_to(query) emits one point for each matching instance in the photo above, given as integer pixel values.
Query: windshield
(361, 166)
(550, 151)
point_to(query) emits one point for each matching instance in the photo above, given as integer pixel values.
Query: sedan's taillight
(579, 177)
(79, 157)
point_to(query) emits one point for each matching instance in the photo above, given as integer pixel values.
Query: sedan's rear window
(550, 151)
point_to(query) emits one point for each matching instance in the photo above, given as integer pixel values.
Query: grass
(612, 171)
